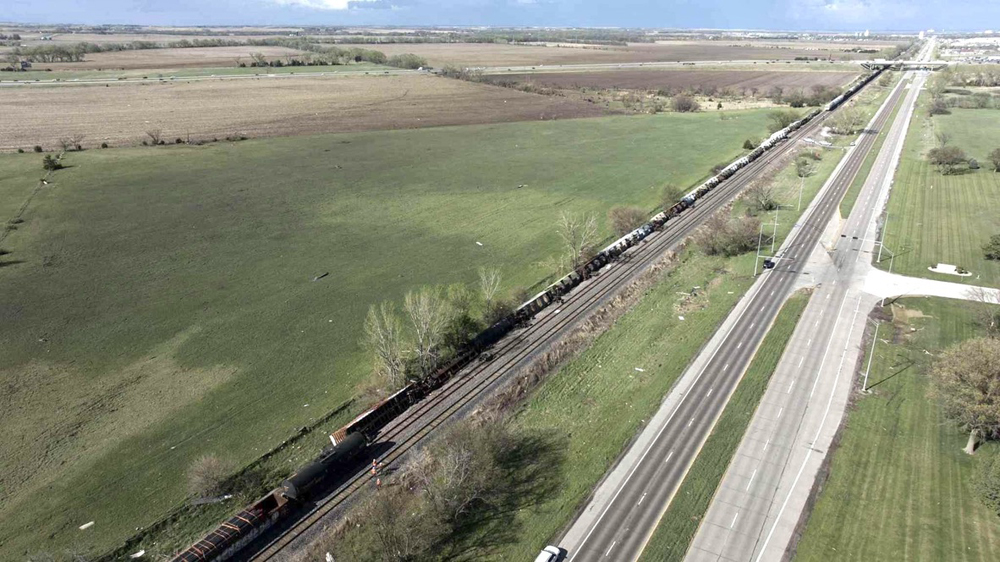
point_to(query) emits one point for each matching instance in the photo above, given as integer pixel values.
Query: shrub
(986, 481)
(626, 219)
(179, 141)
(49, 163)
(104, 145)
(973, 164)
(206, 476)
(20, 151)
(684, 104)
(938, 107)
(749, 144)
(727, 236)
(992, 248)
(947, 158)
(38, 148)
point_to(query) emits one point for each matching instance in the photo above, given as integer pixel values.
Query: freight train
(349, 441)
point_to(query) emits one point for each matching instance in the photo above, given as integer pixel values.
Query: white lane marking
(725, 367)
(801, 359)
(642, 498)
(739, 345)
(751, 479)
(690, 422)
(766, 443)
(781, 409)
(772, 293)
(670, 454)
(608, 553)
(762, 309)
(731, 525)
(790, 387)
(709, 392)
(809, 343)
(752, 324)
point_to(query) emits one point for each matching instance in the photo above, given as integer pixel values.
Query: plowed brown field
(681, 79)
(122, 113)
(492, 54)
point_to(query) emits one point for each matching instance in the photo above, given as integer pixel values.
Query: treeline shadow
(534, 470)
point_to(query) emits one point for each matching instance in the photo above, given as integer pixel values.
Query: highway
(759, 505)
(627, 507)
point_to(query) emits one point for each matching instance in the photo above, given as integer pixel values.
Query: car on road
(550, 554)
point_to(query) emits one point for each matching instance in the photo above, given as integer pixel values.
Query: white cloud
(852, 11)
(317, 4)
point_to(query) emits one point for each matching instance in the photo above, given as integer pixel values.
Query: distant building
(866, 33)
(25, 65)
(921, 35)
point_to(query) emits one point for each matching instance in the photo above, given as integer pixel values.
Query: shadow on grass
(534, 471)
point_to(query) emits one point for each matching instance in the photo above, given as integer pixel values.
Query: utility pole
(802, 183)
(775, 236)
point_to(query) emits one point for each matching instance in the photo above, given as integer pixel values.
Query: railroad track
(521, 346)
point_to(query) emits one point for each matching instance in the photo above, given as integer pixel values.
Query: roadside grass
(852, 193)
(680, 522)
(899, 485)
(165, 305)
(598, 401)
(167, 73)
(933, 218)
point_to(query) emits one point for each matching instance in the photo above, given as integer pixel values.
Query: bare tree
(384, 339)
(489, 284)
(428, 312)
(71, 142)
(967, 381)
(943, 138)
(985, 306)
(154, 135)
(847, 121)
(760, 196)
(579, 234)
(206, 476)
(626, 219)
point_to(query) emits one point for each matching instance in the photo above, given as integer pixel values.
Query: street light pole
(882, 243)
(802, 183)
(775, 236)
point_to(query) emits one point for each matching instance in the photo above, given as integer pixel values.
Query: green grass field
(936, 218)
(680, 522)
(597, 402)
(899, 485)
(165, 305)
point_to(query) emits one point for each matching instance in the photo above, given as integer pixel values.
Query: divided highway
(619, 528)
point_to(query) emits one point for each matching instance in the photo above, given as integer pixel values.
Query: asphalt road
(756, 510)
(622, 529)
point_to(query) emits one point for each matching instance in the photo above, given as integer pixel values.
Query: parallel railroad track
(519, 347)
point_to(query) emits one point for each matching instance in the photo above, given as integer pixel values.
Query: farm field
(43, 76)
(164, 305)
(595, 404)
(934, 218)
(899, 485)
(169, 58)
(679, 524)
(122, 113)
(737, 80)
(494, 54)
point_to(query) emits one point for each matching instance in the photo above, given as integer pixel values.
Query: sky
(833, 15)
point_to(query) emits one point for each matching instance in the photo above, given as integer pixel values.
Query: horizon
(818, 16)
